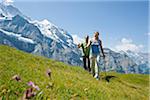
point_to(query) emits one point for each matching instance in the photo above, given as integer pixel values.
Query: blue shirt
(95, 47)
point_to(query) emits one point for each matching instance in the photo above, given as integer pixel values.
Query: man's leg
(84, 63)
(93, 65)
(96, 68)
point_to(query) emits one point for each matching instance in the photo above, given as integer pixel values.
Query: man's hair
(97, 33)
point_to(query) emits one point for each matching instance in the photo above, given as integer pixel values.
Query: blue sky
(122, 24)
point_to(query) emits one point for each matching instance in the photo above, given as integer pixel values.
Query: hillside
(42, 37)
(66, 82)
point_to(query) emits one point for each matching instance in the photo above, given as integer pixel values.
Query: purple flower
(17, 78)
(31, 84)
(31, 92)
(37, 88)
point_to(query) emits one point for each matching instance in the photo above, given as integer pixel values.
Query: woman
(96, 49)
(85, 53)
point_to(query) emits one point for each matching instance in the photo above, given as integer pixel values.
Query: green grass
(67, 82)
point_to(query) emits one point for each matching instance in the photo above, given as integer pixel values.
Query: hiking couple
(91, 51)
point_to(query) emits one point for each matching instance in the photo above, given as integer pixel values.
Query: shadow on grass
(108, 77)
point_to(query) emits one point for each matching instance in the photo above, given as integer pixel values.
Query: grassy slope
(67, 82)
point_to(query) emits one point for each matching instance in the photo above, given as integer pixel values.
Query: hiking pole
(107, 78)
(104, 63)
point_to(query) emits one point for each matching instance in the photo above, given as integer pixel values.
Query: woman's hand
(89, 43)
(79, 45)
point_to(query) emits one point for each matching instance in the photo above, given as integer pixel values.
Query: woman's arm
(89, 44)
(79, 45)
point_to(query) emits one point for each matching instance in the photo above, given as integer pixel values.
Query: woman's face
(86, 38)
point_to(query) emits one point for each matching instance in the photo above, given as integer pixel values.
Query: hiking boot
(97, 77)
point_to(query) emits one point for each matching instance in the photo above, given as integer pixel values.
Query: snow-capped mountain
(46, 39)
(37, 37)
(127, 62)
(141, 60)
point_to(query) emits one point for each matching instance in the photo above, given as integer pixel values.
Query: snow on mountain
(7, 11)
(54, 32)
(119, 62)
(18, 36)
(77, 40)
(46, 39)
(7, 2)
(141, 60)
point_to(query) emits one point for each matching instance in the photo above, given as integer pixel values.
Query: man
(85, 53)
(96, 50)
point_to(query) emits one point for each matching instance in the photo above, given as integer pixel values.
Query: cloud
(126, 41)
(77, 39)
(127, 44)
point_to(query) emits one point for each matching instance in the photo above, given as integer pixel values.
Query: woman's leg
(89, 68)
(84, 63)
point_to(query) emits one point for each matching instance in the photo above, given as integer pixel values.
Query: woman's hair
(87, 38)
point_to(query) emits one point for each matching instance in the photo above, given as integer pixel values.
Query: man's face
(96, 35)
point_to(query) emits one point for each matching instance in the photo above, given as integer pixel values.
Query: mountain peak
(9, 10)
(45, 22)
(7, 2)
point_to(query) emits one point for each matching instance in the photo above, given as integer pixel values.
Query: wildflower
(37, 88)
(17, 78)
(33, 85)
(29, 93)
